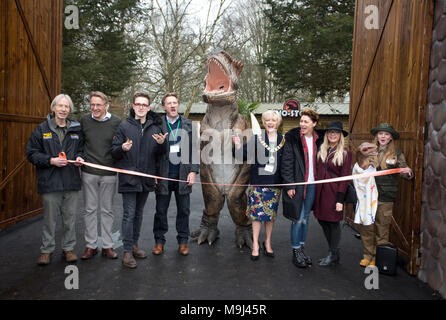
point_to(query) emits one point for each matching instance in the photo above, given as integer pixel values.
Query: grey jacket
(186, 167)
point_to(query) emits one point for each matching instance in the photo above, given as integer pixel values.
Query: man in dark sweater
(99, 186)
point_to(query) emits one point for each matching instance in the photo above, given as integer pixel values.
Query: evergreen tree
(99, 55)
(310, 49)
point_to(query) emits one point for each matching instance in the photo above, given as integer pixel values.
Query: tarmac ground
(220, 271)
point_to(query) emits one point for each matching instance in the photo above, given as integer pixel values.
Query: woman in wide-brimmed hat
(333, 160)
(389, 157)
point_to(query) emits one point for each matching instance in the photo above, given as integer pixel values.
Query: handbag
(350, 193)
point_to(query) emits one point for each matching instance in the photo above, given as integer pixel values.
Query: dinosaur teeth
(219, 65)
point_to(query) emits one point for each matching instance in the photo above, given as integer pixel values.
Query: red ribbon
(352, 177)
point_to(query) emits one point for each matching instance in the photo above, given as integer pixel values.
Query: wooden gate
(30, 77)
(389, 82)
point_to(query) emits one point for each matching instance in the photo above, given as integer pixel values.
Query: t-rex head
(367, 155)
(222, 78)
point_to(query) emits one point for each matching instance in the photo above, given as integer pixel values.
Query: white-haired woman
(333, 160)
(49, 148)
(265, 153)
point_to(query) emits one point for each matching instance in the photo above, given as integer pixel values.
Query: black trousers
(332, 232)
(160, 225)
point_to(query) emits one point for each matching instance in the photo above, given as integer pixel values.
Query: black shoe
(298, 259)
(331, 259)
(254, 258)
(266, 253)
(308, 260)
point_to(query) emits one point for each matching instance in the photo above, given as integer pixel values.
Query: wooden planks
(389, 84)
(30, 77)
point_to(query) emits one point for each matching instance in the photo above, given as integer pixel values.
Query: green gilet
(388, 185)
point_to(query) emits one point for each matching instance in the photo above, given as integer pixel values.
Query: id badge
(269, 168)
(175, 148)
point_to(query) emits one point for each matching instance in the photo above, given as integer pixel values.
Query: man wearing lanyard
(176, 163)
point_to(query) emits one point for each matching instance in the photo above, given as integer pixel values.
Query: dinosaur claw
(243, 236)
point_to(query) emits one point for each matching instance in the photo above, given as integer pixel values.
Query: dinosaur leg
(237, 202)
(213, 201)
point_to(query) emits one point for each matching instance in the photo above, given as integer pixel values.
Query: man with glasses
(138, 142)
(176, 163)
(99, 186)
(51, 145)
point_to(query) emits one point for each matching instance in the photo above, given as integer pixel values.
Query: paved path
(218, 272)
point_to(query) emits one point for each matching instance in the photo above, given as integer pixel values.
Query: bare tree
(175, 47)
(246, 36)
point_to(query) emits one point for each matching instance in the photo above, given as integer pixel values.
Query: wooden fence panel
(30, 77)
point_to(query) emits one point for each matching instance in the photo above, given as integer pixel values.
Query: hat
(337, 125)
(387, 128)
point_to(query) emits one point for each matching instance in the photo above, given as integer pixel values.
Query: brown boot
(183, 249)
(128, 260)
(138, 253)
(44, 259)
(158, 249)
(70, 256)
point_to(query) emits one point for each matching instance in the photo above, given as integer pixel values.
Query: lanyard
(176, 132)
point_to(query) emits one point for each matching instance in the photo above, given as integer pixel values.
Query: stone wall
(433, 205)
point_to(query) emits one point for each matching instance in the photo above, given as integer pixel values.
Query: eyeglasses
(93, 105)
(141, 105)
(333, 132)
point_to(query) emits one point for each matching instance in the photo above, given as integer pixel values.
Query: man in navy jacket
(49, 148)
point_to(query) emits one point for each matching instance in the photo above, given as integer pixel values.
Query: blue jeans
(299, 229)
(160, 225)
(133, 203)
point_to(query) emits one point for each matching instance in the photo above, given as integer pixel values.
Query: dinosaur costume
(221, 120)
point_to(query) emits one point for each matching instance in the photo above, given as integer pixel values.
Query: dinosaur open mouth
(217, 79)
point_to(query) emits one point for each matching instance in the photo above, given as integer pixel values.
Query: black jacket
(43, 145)
(258, 174)
(186, 165)
(142, 156)
(293, 171)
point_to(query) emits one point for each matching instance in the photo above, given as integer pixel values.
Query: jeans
(160, 225)
(133, 203)
(299, 229)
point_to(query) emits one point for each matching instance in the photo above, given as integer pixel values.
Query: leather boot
(331, 259)
(298, 258)
(308, 260)
(138, 253)
(128, 260)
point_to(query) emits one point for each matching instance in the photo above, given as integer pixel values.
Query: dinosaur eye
(222, 87)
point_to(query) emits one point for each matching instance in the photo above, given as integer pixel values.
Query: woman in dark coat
(333, 160)
(299, 165)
